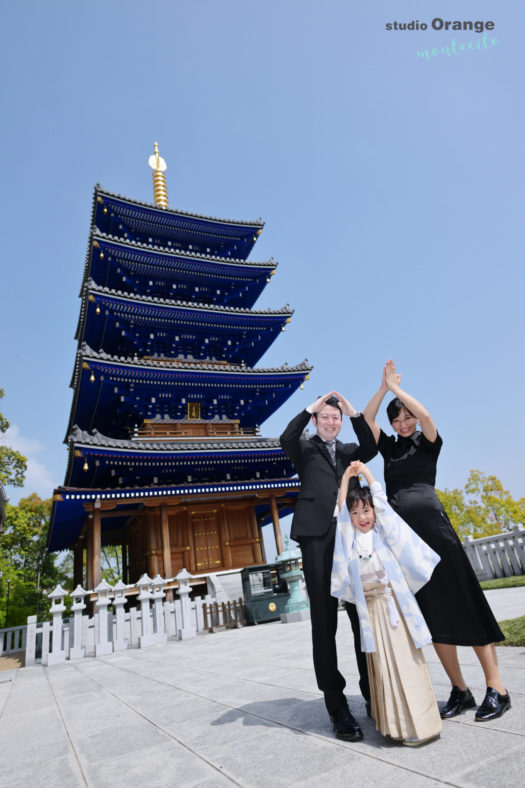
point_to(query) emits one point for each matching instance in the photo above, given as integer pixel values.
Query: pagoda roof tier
(144, 269)
(115, 394)
(96, 460)
(148, 223)
(121, 324)
(71, 505)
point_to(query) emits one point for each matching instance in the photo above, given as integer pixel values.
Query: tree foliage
(13, 465)
(111, 563)
(29, 572)
(483, 507)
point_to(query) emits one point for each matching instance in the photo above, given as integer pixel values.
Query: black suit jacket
(319, 477)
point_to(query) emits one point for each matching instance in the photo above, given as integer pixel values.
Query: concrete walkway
(240, 708)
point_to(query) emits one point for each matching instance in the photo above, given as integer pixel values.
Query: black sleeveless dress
(452, 602)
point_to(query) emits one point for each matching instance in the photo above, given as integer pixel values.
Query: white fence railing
(155, 620)
(502, 555)
(12, 640)
(112, 628)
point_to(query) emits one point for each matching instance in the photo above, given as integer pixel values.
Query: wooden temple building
(165, 455)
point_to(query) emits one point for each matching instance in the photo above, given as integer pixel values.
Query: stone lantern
(103, 645)
(297, 607)
(187, 628)
(57, 654)
(119, 600)
(77, 650)
(148, 638)
(158, 617)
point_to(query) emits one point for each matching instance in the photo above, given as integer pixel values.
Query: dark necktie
(330, 445)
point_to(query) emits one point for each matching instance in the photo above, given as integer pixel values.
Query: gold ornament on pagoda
(159, 167)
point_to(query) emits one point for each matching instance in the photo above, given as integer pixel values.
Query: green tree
(28, 570)
(13, 465)
(454, 503)
(492, 508)
(111, 560)
(483, 508)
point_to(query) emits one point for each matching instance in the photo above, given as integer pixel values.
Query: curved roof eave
(99, 190)
(96, 440)
(170, 253)
(85, 355)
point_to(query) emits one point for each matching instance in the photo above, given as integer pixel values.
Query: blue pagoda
(165, 456)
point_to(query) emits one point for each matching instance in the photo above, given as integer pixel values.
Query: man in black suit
(320, 462)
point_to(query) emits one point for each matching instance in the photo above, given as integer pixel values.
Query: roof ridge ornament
(160, 190)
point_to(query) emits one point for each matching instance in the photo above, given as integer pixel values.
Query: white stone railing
(12, 639)
(112, 628)
(502, 555)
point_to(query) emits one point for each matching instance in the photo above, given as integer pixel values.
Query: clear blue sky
(391, 187)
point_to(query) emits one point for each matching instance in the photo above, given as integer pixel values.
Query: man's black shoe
(494, 705)
(459, 701)
(345, 725)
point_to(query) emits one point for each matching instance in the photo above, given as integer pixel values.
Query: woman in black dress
(452, 602)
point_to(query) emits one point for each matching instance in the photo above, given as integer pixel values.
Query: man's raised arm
(367, 448)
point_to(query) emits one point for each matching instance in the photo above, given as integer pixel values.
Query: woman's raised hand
(391, 378)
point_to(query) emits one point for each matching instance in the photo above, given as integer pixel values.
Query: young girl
(375, 554)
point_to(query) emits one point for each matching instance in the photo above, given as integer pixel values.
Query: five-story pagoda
(165, 455)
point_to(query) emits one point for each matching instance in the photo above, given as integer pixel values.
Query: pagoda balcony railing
(161, 430)
(210, 362)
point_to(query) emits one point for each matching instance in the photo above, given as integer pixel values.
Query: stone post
(133, 627)
(158, 617)
(120, 642)
(77, 651)
(169, 619)
(57, 654)
(187, 630)
(45, 643)
(31, 642)
(103, 647)
(147, 638)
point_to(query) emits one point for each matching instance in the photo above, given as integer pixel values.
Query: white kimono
(407, 560)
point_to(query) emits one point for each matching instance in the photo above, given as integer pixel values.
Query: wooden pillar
(89, 554)
(224, 532)
(256, 549)
(263, 548)
(166, 549)
(165, 542)
(78, 563)
(276, 526)
(97, 545)
(153, 564)
(125, 563)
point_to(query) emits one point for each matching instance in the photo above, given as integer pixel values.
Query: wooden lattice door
(207, 541)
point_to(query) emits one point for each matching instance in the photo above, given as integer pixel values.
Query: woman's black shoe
(345, 725)
(459, 701)
(494, 705)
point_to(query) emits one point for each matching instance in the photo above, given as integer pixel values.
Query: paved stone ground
(240, 708)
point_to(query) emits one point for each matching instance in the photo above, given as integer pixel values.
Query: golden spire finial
(160, 190)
